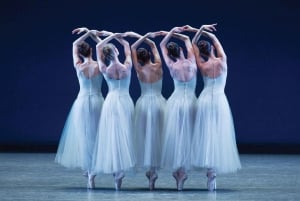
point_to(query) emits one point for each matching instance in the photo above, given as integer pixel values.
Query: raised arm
(220, 51)
(127, 51)
(190, 28)
(96, 38)
(163, 46)
(209, 27)
(153, 47)
(76, 57)
(195, 39)
(188, 45)
(136, 35)
(100, 45)
(149, 42)
(122, 41)
(132, 34)
(134, 47)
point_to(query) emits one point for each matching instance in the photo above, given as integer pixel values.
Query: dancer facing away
(77, 141)
(149, 109)
(179, 121)
(114, 151)
(214, 145)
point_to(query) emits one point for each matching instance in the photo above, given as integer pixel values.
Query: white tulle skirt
(178, 130)
(114, 149)
(148, 125)
(76, 145)
(214, 144)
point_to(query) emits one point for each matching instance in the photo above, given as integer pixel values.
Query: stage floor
(35, 177)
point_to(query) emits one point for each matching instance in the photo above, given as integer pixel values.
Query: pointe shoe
(175, 175)
(152, 181)
(91, 182)
(118, 180)
(211, 182)
(181, 181)
(152, 178)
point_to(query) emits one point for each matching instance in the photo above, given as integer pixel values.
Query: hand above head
(209, 27)
(151, 34)
(208, 34)
(119, 35)
(131, 34)
(80, 30)
(94, 32)
(177, 29)
(157, 33)
(187, 27)
(101, 33)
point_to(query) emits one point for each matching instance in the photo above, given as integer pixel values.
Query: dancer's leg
(91, 180)
(152, 176)
(118, 176)
(180, 176)
(211, 179)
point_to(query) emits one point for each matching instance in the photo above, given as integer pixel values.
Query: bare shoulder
(221, 63)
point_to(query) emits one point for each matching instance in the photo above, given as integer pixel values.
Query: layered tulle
(214, 144)
(114, 149)
(77, 140)
(148, 125)
(178, 126)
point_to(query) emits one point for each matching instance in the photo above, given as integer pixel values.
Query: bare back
(183, 70)
(117, 71)
(213, 67)
(149, 73)
(90, 69)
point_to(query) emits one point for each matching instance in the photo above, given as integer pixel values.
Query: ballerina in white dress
(179, 121)
(77, 140)
(214, 145)
(114, 151)
(149, 108)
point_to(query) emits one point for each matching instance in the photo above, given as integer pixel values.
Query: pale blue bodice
(121, 85)
(89, 86)
(148, 89)
(215, 85)
(185, 88)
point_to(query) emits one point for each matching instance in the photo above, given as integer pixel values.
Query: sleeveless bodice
(214, 85)
(121, 85)
(89, 86)
(185, 88)
(148, 89)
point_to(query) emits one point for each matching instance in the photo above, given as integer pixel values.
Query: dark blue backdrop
(39, 84)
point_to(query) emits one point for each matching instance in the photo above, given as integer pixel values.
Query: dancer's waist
(89, 93)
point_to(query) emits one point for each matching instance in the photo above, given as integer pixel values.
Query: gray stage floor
(35, 177)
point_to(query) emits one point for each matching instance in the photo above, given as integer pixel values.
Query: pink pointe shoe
(211, 181)
(118, 180)
(180, 179)
(152, 176)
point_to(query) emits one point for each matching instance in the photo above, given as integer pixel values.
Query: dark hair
(204, 48)
(108, 52)
(143, 55)
(84, 49)
(173, 50)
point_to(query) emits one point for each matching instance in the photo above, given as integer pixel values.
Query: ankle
(211, 173)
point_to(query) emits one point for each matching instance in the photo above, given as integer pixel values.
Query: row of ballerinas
(113, 136)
